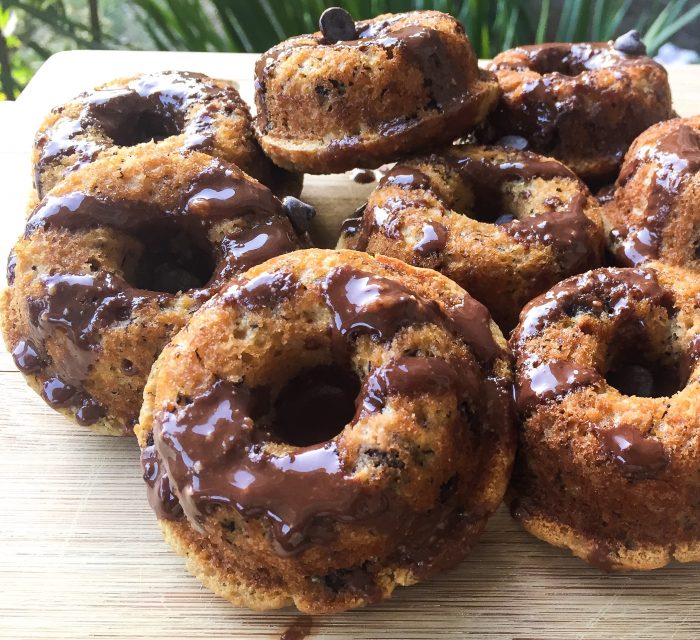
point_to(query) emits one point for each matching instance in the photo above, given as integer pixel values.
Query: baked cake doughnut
(654, 212)
(113, 262)
(201, 113)
(364, 93)
(328, 427)
(582, 103)
(504, 224)
(608, 387)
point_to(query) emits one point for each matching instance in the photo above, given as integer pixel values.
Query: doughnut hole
(148, 125)
(315, 405)
(517, 200)
(169, 261)
(639, 366)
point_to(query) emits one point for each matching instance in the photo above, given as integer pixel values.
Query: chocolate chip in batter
(631, 44)
(336, 24)
(300, 213)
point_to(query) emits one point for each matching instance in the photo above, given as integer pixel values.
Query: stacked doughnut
(318, 427)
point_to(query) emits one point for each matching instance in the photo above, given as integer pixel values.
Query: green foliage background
(30, 30)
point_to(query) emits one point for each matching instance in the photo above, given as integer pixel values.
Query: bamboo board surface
(82, 556)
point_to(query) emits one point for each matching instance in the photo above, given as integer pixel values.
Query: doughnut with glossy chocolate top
(607, 383)
(581, 103)
(654, 211)
(403, 83)
(329, 427)
(116, 258)
(504, 224)
(200, 113)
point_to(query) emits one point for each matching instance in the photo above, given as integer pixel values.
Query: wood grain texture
(82, 556)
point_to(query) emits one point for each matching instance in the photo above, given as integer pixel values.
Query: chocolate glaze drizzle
(551, 381)
(214, 445)
(676, 156)
(539, 112)
(567, 229)
(433, 239)
(152, 106)
(82, 306)
(615, 292)
(638, 456)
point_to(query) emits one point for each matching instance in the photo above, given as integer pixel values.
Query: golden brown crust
(412, 448)
(653, 213)
(190, 110)
(410, 82)
(580, 103)
(80, 308)
(463, 191)
(612, 475)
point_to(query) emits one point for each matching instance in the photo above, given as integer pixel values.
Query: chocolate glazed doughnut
(113, 262)
(654, 212)
(608, 388)
(369, 92)
(200, 113)
(352, 433)
(504, 224)
(582, 103)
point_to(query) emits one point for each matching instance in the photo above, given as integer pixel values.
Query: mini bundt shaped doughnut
(654, 212)
(582, 103)
(113, 262)
(504, 224)
(608, 388)
(190, 109)
(327, 428)
(404, 83)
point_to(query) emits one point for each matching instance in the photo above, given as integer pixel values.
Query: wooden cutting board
(82, 556)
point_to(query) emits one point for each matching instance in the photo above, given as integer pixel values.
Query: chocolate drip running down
(677, 158)
(638, 456)
(151, 107)
(81, 307)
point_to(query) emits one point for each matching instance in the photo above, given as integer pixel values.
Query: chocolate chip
(504, 219)
(513, 142)
(631, 44)
(300, 214)
(336, 24)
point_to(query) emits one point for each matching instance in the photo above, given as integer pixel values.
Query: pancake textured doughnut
(395, 84)
(582, 104)
(190, 109)
(504, 224)
(653, 213)
(113, 262)
(327, 428)
(608, 388)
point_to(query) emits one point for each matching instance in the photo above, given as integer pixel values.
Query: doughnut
(504, 224)
(328, 427)
(114, 260)
(582, 104)
(365, 94)
(201, 113)
(653, 213)
(608, 389)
